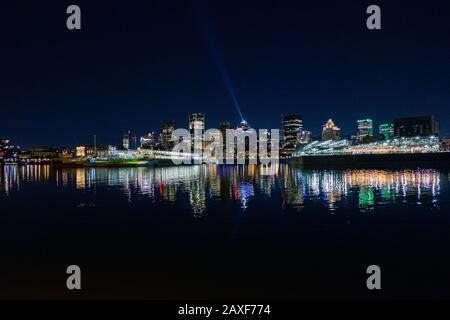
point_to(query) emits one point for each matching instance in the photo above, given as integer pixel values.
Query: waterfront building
(365, 129)
(126, 141)
(197, 129)
(306, 137)
(330, 131)
(92, 151)
(416, 126)
(243, 128)
(133, 141)
(43, 153)
(386, 131)
(292, 127)
(445, 144)
(4, 148)
(80, 151)
(102, 151)
(129, 140)
(7, 150)
(223, 126)
(148, 140)
(166, 135)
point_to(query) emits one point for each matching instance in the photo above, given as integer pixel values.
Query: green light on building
(365, 128)
(387, 131)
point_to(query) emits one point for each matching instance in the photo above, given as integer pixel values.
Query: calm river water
(224, 232)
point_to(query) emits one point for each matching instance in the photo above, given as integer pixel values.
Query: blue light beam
(218, 58)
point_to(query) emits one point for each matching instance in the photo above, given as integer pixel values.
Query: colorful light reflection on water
(201, 185)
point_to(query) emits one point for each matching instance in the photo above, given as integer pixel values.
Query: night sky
(136, 63)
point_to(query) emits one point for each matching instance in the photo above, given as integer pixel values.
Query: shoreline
(350, 161)
(439, 160)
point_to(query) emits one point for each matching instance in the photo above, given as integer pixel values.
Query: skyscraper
(126, 141)
(416, 126)
(223, 126)
(330, 131)
(129, 140)
(243, 125)
(386, 131)
(244, 129)
(197, 129)
(133, 141)
(365, 128)
(292, 127)
(166, 134)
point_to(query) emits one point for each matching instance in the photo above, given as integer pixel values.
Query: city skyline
(163, 134)
(111, 77)
(262, 153)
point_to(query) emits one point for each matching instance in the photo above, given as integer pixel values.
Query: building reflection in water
(11, 176)
(238, 185)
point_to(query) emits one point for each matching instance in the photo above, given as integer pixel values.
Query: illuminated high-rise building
(292, 128)
(126, 141)
(416, 126)
(223, 126)
(133, 141)
(243, 125)
(129, 140)
(197, 128)
(365, 129)
(386, 131)
(148, 140)
(330, 131)
(166, 134)
(244, 129)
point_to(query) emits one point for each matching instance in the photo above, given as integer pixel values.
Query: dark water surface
(224, 232)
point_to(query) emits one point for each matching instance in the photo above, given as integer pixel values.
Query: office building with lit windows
(129, 140)
(223, 127)
(197, 128)
(148, 140)
(365, 129)
(307, 137)
(386, 131)
(330, 131)
(292, 128)
(416, 127)
(166, 134)
(7, 150)
(126, 141)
